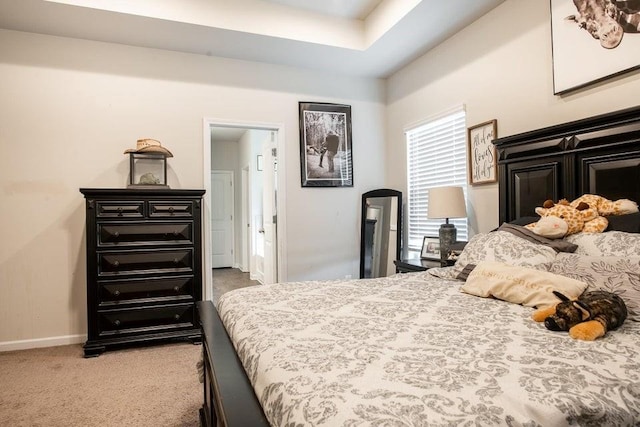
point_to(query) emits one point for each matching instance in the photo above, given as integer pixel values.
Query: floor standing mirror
(381, 232)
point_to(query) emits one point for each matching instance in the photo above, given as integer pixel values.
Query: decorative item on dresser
(148, 164)
(144, 266)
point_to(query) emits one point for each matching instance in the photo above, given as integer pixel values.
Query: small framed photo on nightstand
(430, 248)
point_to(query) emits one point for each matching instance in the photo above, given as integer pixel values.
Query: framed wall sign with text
(482, 153)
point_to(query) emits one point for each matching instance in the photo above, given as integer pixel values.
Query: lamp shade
(446, 202)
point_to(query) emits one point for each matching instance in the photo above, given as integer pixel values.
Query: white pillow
(520, 285)
(610, 243)
(620, 275)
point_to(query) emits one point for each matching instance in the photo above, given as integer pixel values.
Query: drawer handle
(176, 316)
(116, 263)
(116, 293)
(116, 234)
(116, 322)
(119, 210)
(176, 260)
(171, 210)
(175, 233)
(176, 288)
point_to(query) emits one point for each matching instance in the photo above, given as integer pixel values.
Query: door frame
(245, 206)
(207, 124)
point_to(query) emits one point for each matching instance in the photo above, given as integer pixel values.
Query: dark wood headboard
(598, 155)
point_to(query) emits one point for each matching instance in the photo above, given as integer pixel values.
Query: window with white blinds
(437, 157)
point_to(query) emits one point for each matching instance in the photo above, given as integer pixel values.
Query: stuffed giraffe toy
(606, 207)
(560, 219)
(586, 213)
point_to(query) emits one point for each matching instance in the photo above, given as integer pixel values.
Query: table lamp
(446, 202)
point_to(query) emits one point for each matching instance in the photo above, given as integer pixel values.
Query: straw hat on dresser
(149, 146)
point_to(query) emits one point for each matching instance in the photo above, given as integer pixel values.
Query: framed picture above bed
(325, 145)
(430, 248)
(590, 44)
(482, 153)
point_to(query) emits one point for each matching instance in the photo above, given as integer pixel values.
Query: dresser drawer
(120, 234)
(148, 261)
(168, 209)
(146, 319)
(114, 292)
(115, 209)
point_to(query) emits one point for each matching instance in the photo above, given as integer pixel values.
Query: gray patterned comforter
(412, 350)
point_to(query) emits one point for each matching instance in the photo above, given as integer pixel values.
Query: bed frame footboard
(229, 399)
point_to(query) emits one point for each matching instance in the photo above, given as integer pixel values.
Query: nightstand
(417, 264)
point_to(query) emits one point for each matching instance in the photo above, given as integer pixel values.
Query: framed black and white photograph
(483, 167)
(592, 43)
(325, 145)
(430, 248)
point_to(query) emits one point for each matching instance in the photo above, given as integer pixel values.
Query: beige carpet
(145, 386)
(228, 279)
(56, 386)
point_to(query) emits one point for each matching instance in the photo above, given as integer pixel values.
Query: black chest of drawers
(144, 266)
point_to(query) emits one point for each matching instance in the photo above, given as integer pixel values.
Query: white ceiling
(370, 38)
(352, 9)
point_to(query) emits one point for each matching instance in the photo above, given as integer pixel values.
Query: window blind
(437, 157)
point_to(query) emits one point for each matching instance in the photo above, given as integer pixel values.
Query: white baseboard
(42, 342)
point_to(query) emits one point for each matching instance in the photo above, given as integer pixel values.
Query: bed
(423, 349)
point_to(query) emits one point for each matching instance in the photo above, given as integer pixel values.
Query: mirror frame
(382, 192)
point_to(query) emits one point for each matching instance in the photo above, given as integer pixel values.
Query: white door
(269, 211)
(221, 219)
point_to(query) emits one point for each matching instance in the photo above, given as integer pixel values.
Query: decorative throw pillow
(520, 285)
(629, 223)
(504, 247)
(611, 243)
(523, 232)
(620, 275)
(525, 220)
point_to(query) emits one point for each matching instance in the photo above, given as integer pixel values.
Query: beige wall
(68, 110)
(500, 68)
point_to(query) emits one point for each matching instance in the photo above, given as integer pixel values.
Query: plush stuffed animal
(586, 213)
(561, 219)
(606, 207)
(586, 318)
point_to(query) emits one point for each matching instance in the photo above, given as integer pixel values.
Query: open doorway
(249, 154)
